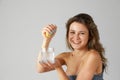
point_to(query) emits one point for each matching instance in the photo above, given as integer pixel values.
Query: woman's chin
(76, 48)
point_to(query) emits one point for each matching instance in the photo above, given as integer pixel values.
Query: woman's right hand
(49, 31)
(45, 66)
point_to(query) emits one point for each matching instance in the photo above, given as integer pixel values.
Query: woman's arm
(48, 66)
(44, 66)
(60, 59)
(62, 75)
(89, 67)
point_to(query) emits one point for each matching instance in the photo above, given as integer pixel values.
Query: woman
(86, 61)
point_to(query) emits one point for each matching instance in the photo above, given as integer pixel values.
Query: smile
(76, 42)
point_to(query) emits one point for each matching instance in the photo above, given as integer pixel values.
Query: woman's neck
(79, 52)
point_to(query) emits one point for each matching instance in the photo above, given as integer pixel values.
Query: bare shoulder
(63, 55)
(93, 61)
(94, 55)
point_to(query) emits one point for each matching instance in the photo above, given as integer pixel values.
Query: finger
(43, 64)
(47, 29)
(52, 27)
(50, 64)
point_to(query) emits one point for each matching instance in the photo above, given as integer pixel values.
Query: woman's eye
(82, 33)
(72, 32)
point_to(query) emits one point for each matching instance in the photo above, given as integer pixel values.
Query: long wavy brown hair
(94, 39)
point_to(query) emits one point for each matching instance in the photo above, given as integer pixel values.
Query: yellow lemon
(48, 34)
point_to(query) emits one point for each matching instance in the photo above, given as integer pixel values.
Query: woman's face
(78, 36)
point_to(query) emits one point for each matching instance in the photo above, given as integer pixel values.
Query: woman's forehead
(78, 27)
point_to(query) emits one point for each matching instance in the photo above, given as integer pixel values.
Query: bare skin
(81, 62)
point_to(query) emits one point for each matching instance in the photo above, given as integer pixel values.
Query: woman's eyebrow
(79, 31)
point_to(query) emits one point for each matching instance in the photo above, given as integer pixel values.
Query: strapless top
(96, 77)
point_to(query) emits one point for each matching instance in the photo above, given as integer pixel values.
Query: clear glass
(47, 55)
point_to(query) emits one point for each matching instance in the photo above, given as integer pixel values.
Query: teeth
(76, 42)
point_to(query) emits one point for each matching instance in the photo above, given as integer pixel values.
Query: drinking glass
(47, 55)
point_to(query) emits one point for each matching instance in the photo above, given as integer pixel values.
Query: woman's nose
(76, 37)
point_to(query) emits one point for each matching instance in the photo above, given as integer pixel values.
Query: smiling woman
(78, 35)
(86, 61)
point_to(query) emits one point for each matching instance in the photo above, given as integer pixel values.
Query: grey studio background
(21, 22)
